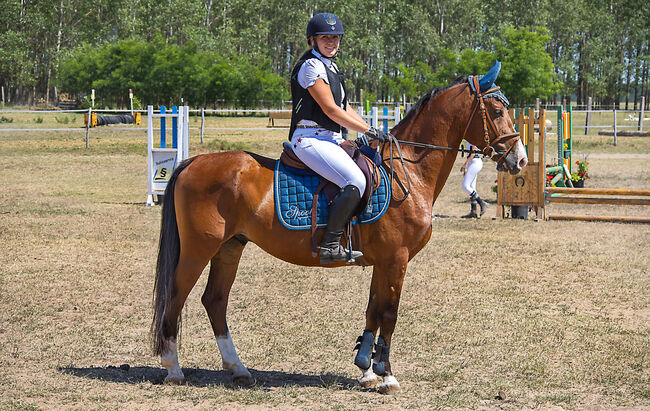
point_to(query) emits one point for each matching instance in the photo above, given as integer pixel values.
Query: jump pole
(607, 196)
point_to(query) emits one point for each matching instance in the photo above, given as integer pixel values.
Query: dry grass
(553, 314)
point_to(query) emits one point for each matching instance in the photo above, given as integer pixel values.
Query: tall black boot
(341, 209)
(472, 213)
(482, 204)
(473, 199)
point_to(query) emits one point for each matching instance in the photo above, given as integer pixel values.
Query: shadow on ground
(198, 377)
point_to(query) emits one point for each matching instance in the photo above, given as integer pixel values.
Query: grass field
(494, 314)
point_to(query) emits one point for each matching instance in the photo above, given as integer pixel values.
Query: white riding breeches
(322, 154)
(469, 181)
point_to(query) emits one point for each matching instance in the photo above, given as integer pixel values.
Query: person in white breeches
(470, 169)
(327, 158)
(320, 111)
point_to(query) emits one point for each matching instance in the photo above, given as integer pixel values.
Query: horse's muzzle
(515, 160)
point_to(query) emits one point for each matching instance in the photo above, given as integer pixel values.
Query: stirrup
(338, 254)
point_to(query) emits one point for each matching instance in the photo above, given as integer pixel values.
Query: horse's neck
(432, 167)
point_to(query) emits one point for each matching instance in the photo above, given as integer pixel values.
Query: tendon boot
(483, 205)
(473, 199)
(341, 210)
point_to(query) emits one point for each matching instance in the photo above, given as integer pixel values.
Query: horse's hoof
(389, 386)
(174, 380)
(243, 380)
(369, 382)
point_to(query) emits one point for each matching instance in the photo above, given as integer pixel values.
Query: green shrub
(4, 119)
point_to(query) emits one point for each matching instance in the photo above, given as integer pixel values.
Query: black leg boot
(474, 204)
(340, 212)
(482, 204)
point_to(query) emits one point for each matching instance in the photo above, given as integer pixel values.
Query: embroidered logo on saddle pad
(294, 192)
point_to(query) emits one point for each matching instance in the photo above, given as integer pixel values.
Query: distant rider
(470, 169)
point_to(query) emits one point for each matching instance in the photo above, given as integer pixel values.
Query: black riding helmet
(324, 23)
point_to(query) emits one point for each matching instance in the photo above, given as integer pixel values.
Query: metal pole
(90, 116)
(588, 121)
(615, 137)
(641, 113)
(202, 122)
(560, 133)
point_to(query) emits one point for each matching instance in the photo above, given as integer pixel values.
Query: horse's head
(489, 126)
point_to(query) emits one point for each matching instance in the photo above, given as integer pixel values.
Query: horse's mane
(417, 107)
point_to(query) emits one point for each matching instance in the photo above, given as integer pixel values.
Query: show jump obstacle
(528, 188)
(163, 158)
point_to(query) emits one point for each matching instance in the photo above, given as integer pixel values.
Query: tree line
(242, 51)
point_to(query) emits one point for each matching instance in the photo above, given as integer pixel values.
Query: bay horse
(215, 203)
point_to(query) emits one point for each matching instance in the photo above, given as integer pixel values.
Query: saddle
(367, 166)
(370, 169)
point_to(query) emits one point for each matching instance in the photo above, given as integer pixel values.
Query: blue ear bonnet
(486, 82)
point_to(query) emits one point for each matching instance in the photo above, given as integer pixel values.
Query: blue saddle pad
(294, 192)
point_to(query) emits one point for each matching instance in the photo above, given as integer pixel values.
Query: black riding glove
(375, 134)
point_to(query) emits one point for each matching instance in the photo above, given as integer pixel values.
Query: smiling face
(328, 44)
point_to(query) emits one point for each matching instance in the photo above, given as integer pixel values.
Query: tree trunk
(207, 17)
(581, 79)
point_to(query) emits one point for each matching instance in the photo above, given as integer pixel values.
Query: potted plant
(578, 178)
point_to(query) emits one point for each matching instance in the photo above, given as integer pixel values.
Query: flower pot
(519, 212)
(579, 183)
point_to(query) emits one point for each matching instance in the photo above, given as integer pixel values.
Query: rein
(488, 150)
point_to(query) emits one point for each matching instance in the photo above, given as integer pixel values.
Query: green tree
(527, 69)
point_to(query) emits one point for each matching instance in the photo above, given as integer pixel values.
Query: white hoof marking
(389, 386)
(231, 360)
(169, 360)
(369, 379)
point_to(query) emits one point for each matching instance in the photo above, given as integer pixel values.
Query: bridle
(488, 150)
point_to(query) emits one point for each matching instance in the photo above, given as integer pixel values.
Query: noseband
(489, 150)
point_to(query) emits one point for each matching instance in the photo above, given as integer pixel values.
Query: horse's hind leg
(187, 272)
(223, 269)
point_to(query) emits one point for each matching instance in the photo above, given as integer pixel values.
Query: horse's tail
(168, 253)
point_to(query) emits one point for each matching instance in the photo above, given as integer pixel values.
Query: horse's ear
(487, 81)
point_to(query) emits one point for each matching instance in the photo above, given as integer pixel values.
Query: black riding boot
(472, 213)
(473, 199)
(482, 204)
(341, 209)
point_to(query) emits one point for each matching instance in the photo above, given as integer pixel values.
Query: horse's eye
(498, 112)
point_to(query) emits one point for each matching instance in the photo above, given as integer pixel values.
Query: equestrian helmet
(324, 23)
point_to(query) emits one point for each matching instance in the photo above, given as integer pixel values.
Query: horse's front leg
(385, 290)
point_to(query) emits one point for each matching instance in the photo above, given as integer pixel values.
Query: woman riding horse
(215, 203)
(320, 109)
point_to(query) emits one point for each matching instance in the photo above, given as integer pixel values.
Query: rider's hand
(463, 169)
(375, 134)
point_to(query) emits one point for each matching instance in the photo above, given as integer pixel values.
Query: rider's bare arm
(321, 92)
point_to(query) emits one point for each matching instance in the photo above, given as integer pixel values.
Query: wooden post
(90, 116)
(615, 137)
(530, 131)
(641, 113)
(588, 121)
(202, 122)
